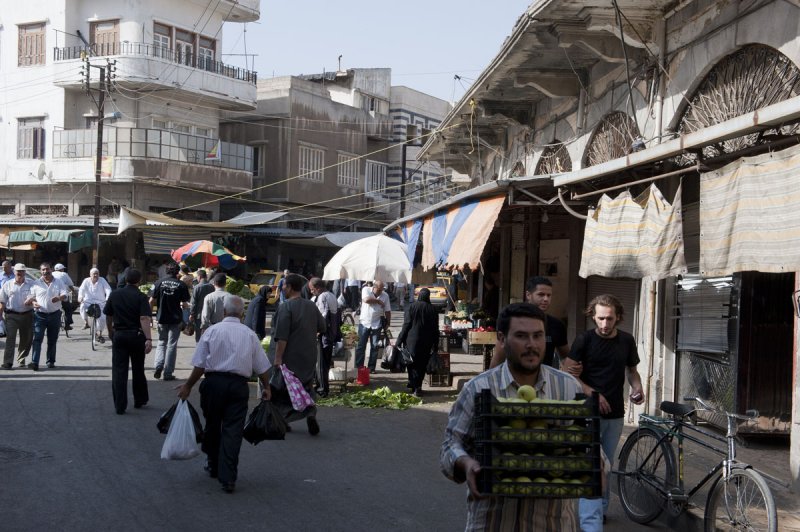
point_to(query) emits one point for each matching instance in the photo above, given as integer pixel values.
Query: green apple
(537, 424)
(518, 424)
(510, 460)
(526, 392)
(559, 488)
(576, 433)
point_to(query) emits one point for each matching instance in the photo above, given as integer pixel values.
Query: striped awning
(455, 237)
(163, 241)
(408, 233)
(634, 237)
(750, 215)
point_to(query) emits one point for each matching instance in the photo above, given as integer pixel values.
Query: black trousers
(416, 370)
(223, 398)
(324, 364)
(128, 346)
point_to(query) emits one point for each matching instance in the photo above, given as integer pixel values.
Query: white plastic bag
(181, 441)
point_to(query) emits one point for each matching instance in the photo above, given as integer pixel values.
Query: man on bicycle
(94, 290)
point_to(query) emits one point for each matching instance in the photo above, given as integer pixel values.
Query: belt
(17, 311)
(225, 374)
(47, 313)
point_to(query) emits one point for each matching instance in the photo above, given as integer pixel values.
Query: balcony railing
(152, 144)
(178, 56)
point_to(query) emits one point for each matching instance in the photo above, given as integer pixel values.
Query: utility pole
(104, 85)
(403, 181)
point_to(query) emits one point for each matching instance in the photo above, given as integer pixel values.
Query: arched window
(751, 78)
(555, 159)
(612, 139)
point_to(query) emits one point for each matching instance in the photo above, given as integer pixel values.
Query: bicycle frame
(676, 432)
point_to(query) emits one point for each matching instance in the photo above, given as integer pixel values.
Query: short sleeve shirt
(371, 314)
(125, 306)
(169, 293)
(604, 361)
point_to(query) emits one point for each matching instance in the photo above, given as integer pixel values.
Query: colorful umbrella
(206, 253)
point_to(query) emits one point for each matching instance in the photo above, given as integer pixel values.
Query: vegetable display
(378, 398)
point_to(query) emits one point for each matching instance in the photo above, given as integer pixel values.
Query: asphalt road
(68, 462)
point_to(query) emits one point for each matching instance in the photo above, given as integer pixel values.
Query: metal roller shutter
(626, 290)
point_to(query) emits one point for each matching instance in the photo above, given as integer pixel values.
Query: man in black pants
(129, 330)
(228, 353)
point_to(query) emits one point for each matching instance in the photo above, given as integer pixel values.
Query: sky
(424, 43)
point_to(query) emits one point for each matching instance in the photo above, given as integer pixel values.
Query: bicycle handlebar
(748, 415)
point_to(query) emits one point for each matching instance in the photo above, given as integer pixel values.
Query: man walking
(94, 290)
(375, 315)
(601, 359)
(521, 329)
(130, 332)
(227, 354)
(60, 273)
(213, 304)
(327, 306)
(46, 296)
(16, 307)
(294, 335)
(170, 294)
(199, 293)
(539, 292)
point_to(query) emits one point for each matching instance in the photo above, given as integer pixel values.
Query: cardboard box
(483, 337)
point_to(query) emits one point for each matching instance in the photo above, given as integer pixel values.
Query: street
(68, 462)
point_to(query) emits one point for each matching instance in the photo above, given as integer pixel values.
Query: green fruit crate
(545, 449)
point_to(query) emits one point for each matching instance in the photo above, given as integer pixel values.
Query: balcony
(155, 154)
(240, 10)
(140, 64)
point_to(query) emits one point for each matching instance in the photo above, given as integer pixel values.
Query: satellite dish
(41, 171)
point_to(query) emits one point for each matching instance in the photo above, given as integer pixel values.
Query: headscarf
(424, 295)
(264, 291)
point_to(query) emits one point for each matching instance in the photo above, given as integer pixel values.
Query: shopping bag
(2, 328)
(181, 440)
(166, 418)
(435, 365)
(297, 393)
(362, 378)
(264, 423)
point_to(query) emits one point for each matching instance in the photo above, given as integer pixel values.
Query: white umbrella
(376, 257)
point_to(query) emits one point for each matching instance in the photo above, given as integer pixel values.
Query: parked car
(438, 290)
(269, 278)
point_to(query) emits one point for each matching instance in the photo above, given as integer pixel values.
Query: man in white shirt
(228, 353)
(16, 308)
(46, 296)
(375, 316)
(94, 290)
(213, 310)
(8, 272)
(60, 273)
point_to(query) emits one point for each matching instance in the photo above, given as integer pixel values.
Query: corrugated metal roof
(44, 221)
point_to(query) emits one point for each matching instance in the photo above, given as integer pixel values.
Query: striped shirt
(230, 347)
(501, 513)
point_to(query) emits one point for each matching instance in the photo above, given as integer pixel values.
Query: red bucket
(362, 378)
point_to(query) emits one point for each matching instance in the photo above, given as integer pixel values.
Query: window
(347, 174)
(204, 132)
(105, 37)
(184, 214)
(375, 178)
(162, 40)
(259, 160)
(108, 211)
(30, 138)
(311, 163)
(31, 44)
(160, 124)
(7, 209)
(184, 47)
(205, 55)
(181, 128)
(37, 210)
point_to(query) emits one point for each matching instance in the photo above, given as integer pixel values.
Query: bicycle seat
(675, 409)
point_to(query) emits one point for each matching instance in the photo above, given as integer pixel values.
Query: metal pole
(403, 181)
(98, 168)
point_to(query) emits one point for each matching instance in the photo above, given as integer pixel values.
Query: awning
(329, 240)
(75, 238)
(455, 237)
(750, 215)
(408, 233)
(163, 241)
(133, 218)
(634, 237)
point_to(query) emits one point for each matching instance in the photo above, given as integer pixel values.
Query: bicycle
(93, 312)
(64, 323)
(650, 480)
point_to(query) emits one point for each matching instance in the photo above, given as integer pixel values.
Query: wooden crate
(483, 337)
(443, 380)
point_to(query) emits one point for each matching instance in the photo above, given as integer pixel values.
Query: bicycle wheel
(646, 471)
(743, 502)
(64, 323)
(93, 332)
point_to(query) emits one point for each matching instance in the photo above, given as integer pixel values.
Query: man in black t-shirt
(539, 291)
(130, 332)
(171, 295)
(601, 359)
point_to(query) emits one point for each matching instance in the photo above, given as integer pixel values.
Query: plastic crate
(443, 343)
(454, 339)
(440, 380)
(445, 358)
(543, 449)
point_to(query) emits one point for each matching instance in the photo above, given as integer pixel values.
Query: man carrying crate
(521, 329)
